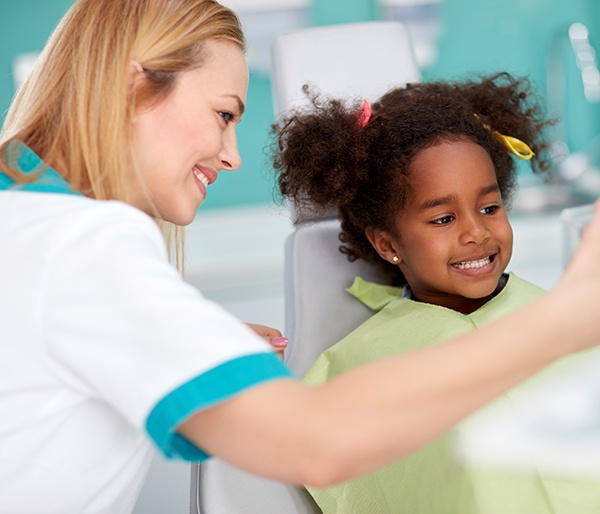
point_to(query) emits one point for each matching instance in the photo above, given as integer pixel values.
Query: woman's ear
(135, 74)
(384, 245)
(135, 77)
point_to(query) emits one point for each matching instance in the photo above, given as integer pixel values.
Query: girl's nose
(475, 231)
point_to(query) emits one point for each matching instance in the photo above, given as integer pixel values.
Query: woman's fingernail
(279, 342)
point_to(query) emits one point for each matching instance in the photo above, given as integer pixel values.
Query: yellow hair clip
(514, 145)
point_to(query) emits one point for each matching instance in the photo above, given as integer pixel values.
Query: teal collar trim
(27, 161)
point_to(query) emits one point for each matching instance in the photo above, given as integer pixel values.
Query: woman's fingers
(272, 336)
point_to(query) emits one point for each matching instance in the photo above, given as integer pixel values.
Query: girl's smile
(452, 238)
(475, 266)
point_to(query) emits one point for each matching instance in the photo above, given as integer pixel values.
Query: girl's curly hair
(325, 161)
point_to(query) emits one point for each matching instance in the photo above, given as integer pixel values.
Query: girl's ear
(384, 245)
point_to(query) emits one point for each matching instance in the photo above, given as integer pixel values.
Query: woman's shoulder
(67, 212)
(35, 203)
(54, 222)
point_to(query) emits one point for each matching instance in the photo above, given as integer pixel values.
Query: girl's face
(182, 142)
(453, 238)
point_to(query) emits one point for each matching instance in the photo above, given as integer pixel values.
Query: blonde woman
(127, 119)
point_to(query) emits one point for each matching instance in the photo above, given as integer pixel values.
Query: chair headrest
(352, 61)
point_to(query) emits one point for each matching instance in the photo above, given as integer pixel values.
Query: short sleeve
(121, 326)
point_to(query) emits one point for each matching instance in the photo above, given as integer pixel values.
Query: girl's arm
(382, 411)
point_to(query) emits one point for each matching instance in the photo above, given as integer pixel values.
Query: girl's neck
(460, 304)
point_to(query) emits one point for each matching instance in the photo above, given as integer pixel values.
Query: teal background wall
(330, 12)
(515, 35)
(25, 25)
(479, 36)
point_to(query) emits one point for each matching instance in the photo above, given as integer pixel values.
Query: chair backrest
(361, 60)
(318, 310)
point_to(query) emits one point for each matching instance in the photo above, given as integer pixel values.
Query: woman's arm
(382, 411)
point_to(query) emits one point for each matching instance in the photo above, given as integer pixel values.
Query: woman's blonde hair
(76, 108)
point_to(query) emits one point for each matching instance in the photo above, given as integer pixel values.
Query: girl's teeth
(472, 264)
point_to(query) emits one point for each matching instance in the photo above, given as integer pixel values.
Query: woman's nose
(230, 155)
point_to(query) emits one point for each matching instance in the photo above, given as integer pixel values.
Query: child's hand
(271, 336)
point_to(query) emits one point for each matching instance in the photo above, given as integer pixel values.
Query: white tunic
(102, 345)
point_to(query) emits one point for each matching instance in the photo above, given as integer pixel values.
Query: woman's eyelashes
(228, 117)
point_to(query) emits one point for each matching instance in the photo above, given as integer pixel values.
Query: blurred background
(235, 248)
(453, 39)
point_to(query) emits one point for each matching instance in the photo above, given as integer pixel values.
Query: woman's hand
(578, 288)
(271, 336)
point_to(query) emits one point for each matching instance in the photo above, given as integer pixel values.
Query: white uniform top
(102, 345)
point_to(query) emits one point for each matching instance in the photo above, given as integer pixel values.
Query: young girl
(128, 117)
(421, 185)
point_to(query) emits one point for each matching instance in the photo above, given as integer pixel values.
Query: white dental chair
(355, 61)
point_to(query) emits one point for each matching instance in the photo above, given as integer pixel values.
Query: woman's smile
(204, 177)
(205, 106)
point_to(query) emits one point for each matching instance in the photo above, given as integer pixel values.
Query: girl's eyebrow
(436, 202)
(492, 188)
(442, 200)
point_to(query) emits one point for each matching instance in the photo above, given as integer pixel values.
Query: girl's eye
(490, 209)
(443, 220)
(227, 116)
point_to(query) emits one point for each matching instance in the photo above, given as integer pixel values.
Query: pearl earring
(395, 258)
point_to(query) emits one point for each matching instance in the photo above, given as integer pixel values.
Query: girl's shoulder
(524, 288)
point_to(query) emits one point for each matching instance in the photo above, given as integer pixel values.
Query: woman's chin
(181, 217)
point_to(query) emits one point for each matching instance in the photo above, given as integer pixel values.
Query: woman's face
(182, 142)
(453, 238)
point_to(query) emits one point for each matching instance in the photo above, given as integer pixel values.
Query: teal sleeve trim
(203, 391)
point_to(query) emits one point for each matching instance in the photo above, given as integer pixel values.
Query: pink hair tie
(364, 114)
